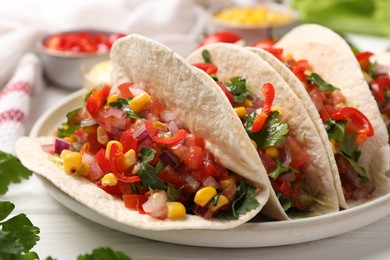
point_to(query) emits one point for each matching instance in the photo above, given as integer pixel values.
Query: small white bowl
(66, 68)
(251, 32)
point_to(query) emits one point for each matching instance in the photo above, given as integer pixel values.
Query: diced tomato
(113, 190)
(101, 160)
(128, 142)
(169, 175)
(364, 60)
(135, 201)
(125, 91)
(97, 99)
(298, 155)
(285, 189)
(222, 36)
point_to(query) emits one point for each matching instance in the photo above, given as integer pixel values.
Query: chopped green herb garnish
(323, 85)
(11, 171)
(237, 86)
(123, 104)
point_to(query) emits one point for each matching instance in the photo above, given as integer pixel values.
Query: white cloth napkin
(15, 100)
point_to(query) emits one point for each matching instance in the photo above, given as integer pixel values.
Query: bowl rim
(280, 8)
(41, 48)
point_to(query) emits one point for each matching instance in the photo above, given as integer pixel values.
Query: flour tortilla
(233, 61)
(182, 89)
(331, 57)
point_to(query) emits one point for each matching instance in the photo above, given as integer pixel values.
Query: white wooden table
(64, 234)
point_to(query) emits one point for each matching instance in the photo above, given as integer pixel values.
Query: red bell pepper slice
(364, 60)
(96, 100)
(125, 91)
(364, 126)
(378, 87)
(228, 94)
(269, 95)
(206, 67)
(180, 135)
(115, 155)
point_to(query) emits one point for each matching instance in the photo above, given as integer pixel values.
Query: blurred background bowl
(65, 55)
(252, 21)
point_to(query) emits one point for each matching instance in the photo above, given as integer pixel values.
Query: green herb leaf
(316, 79)
(279, 169)
(147, 172)
(335, 129)
(372, 70)
(206, 56)
(273, 132)
(245, 200)
(71, 125)
(18, 234)
(104, 253)
(123, 104)
(237, 86)
(146, 154)
(11, 171)
(173, 193)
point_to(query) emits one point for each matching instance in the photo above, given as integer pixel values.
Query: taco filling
(281, 154)
(379, 82)
(347, 127)
(130, 145)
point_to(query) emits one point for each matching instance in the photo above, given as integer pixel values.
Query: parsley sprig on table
(17, 234)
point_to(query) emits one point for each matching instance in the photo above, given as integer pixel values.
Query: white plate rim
(248, 235)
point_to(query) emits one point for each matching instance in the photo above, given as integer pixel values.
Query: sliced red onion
(169, 159)
(48, 148)
(88, 122)
(140, 133)
(287, 177)
(95, 172)
(191, 181)
(211, 182)
(230, 191)
(173, 127)
(285, 155)
(61, 144)
(155, 202)
(203, 212)
(167, 116)
(115, 132)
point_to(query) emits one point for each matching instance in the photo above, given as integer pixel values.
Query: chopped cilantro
(11, 171)
(147, 172)
(17, 235)
(123, 104)
(279, 169)
(206, 56)
(316, 79)
(335, 129)
(71, 125)
(104, 253)
(273, 132)
(237, 86)
(173, 193)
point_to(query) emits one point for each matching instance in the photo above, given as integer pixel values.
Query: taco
(158, 150)
(342, 103)
(287, 142)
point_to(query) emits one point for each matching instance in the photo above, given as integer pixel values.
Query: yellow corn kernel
(112, 98)
(176, 210)
(271, 152)
(278, 110)
(254, 143)
(140, 102)
(226, 183)
(109, 144)
(248, 103)
(102, 136)
(222, 201)
(64, 152)
(334, 145)
(204, 195)
(160, 125)
(109, 179)
(70, 139)
(129, 159)
(72, 162)
(241, 111)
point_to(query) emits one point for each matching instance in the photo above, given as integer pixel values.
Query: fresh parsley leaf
(123, 104)
(316, 79)
(335, 129)
(11, 171)
(17, 236)
(71, 125)
(104, 253)
(279, 169)
(237, 86)
(147, 172)
(206, 56)
(245, 200)
(273, 132)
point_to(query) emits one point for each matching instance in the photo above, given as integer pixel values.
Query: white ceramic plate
(253, 234)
